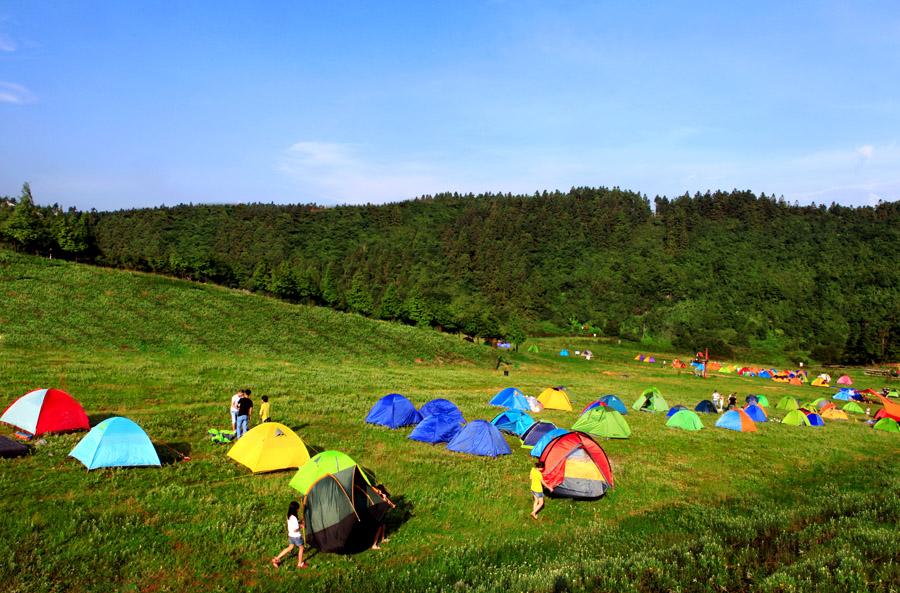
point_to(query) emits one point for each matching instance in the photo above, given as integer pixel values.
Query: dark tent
(535, 432)
(10, 448)
(706, 407)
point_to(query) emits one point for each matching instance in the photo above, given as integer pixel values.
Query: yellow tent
(269, 447)
(819, 382)
(834, 414)
(555, 399)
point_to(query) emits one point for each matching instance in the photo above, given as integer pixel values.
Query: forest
(731, 271)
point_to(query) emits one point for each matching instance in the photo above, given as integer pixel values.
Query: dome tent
(269, 447)
(535, 432)
(887, 425)
(575, 466)
(651, 400)
(853, 407)
(436, 428)
(737, 420)
(511, 398)
(706, 407)
(603, 422)
(555, 398)
(480, 437)
(685, 420)
(675, 409)
(757, 413)
(393, 410)
(46, 411)
(548, 438)
(115, 442)
(787, 403)
(441, 406)
(795, 418)
(515, 422)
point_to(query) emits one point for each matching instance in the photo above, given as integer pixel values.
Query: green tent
(814, 404)
(887, 425)
(795, 418)
(853, 407)
(893, 393)
(685, 420)
(787, 403)
(762, 400)
(323, 464)
(603, 422)
(533, 348)
(651, 400)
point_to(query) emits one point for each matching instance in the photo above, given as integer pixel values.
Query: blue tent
(441, 406)
(706, 407)
(756, 413)
(480, 437)
(393, 411)
(563, 352)
(844, 394)
(511, 398)
(752, 399)
(674, 410)
(614, 403)
(815, 419)
(115, 442)
(513, 421)
(546, 440)
(765, 374)
(534, 433)
(437, 428)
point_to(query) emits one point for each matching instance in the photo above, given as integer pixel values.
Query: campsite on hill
(785, 508)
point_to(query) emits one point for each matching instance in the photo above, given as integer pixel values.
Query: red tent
(555, 455)
(46, 410)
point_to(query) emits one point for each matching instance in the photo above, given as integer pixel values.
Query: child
(295, 536)
(537, 488)
(264, 409)
(379, 533)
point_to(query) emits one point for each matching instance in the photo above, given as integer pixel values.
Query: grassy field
(785, 509)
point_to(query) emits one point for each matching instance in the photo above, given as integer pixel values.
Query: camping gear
(393, 410)
(563, 352)
(220, 437)
(834, 414)
(825, 405)
(762, 400)
(555, 398)
(269, 447)
(853, 407)
(534, 433)
(787, 403)
(533, 404)
(575, 466)
(736, 420)
(46, 411)
(10, 448)
(322, 464)
(436, 428)
(651, 400)
(814, 404)
(480, 437)
(819, 382)
(534, 349)
(815, 419)
(844, 380)
(887, 425)
(545, 440)
(756, 413)
(514, 422)
(706, 407)
(603, 422)
(115, 442)
(675, 409)
(752, 399)
(890, 409)
(441, 406)
(685, 420)
(511, 398)
(795, 418)
(613, 402)
(844, 395)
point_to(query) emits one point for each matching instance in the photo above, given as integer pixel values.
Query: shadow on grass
(170, 453)
(95, 419)
(397, 517)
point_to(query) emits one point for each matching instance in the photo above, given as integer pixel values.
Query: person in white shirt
(234, 408)
(717, 399)
(295, 536)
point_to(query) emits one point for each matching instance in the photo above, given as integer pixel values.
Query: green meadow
(784, 509)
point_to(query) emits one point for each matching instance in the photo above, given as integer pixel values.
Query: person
(245, 407)
(264, 409)
(234, 409)
(717, 399)
(379, 533)
(537, 488)
(732, 401)
(295, 536)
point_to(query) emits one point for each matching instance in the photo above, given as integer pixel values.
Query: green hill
(784, 509)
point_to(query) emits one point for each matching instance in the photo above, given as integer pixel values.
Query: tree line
(724, 270)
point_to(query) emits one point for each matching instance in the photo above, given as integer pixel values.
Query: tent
(819, 382)
(547, 439)
(706, 407)
(326, 462)
(890, 409)
(787, 403)
(563, 352)
(765, 374)
(844, 380)
(480, 437)
(436, 428)
(853, 407)
(46, 411)
(534, 405)
(341, 510)
(817, 402)
(757, 413)
(534, 349)
(515, 422)
(834, 414)
(10, 448)
(815, 419)
(610, 401)
(675, 409)
(887, 425)
(762, 400)
(393, 410)
(826, 405)
(752, 399)
(650, 401)
(893, 393)
(603, 422)
(115, 442)
(795, 418)
(269, 447)
(736, 420)
(844, 395)
(685, 420)
(511, 398)
(441, 406)
(534, 433)
(555, 398)
(575, 466)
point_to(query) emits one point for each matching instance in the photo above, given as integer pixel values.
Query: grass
(786, 509)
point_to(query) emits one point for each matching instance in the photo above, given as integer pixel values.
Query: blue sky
(113, 105)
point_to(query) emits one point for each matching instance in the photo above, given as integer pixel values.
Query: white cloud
(17, 94)
(866, 151)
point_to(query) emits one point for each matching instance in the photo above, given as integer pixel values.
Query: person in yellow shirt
(537, 488)
(264, 409)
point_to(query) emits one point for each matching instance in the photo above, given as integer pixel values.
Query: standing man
(234, 408)
(245, 408)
